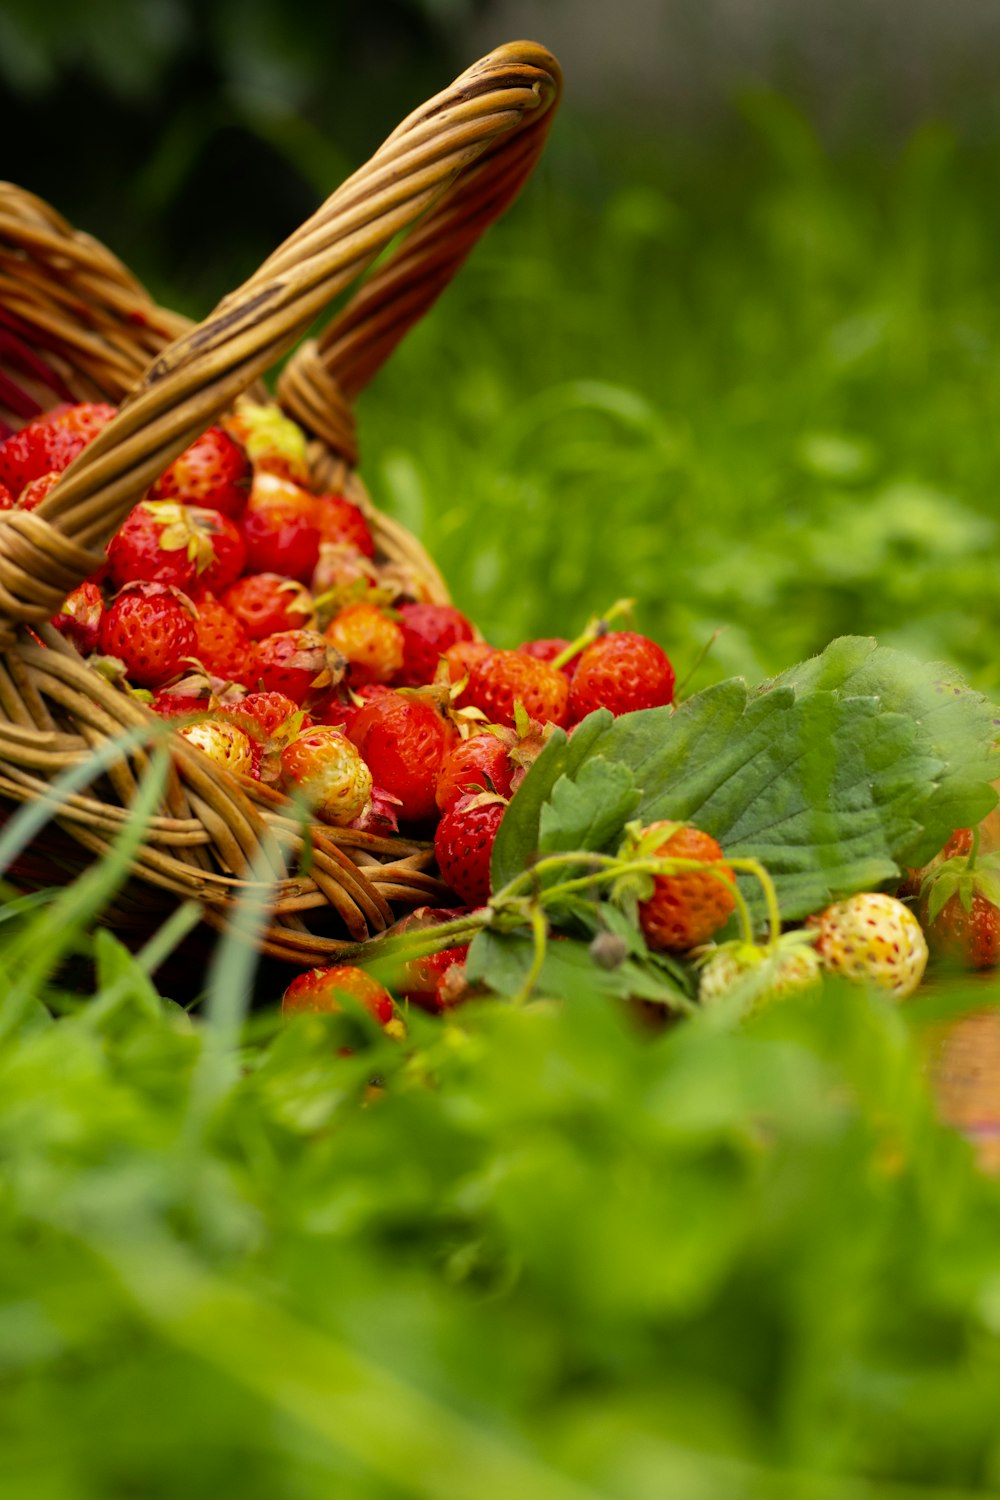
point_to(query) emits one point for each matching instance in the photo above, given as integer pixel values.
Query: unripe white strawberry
(872, 936)
(226, 744)
(328, 771)
(771, 972)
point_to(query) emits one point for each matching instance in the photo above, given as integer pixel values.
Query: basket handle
(324, 376)
(486, 113)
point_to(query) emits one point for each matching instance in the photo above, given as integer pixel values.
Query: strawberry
(150, 628)
(341, 707)
(621, 671)
(280, 528)
(6, 498)
(170, 704)
(547, 648)
(370, 640)
(682, 909)
(403, 740)
(428, 630)
(35, 490)
(266, 603)
(161, 541)
(261, 715)
(321, 991)
(323, 765)
(458, 660)
(221, 644)
(272, 441)
(429, 982)
(463, 845)
(213, 472)
(225, 744)
(960, 904)
(872, 936)
(502, 679)
(479, 764)
(80, 618)
(769, 972)
(298, 663)
(343, 523)
(50, 442)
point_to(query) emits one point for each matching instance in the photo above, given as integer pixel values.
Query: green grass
(560, 1254)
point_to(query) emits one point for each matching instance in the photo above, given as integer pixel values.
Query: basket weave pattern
(75, 325)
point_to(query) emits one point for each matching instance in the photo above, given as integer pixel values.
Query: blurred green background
(733, 352)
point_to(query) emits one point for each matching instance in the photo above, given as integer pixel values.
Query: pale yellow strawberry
(872, 936)
(226, 744)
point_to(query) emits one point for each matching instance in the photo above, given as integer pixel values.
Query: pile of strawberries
(256, 612)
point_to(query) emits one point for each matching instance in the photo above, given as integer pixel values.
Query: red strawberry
(266, 603)
(960, 904)
(341, 707)
(501, 680)
(162, 541)
(369, 639)
(298, 663)
(463, 845)
(685, 909)
(328, 771)
(225, 744)
(403, 741)
(173, 705)
(263, 714)
(462, 657)
(547, 648)
(343, 523)
(80, 618)
(621, 671)
(35, 490)
(222, 645)
(50, 442)
(150, 628)
(280, 528)
(321, 990)
(429, 982)
(479, 764)
(428, 631)
(213, 472)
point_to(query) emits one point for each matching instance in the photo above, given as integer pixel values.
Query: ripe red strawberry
(150, 628)
(298, 663)
(280, 528)
(479, 764)
(226, 744)
(221, 644)
(322, 990)
(50, 442)
(959, 907)
(501, 680)
(458, 660)
(428, 631)
(80, 618)
(369, 639)
(213, 472)
(547, 648)
(328, 771)
(35, 490)
(403, 740)
(621, 671)
(463, 845)
(341, 522)
(263, 714)
(685, 909)
(162, 541)
(266, 603)
(170, 704)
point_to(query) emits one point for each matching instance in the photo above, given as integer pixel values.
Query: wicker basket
(74, 325)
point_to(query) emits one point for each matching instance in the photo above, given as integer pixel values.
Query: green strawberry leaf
(833, 775)
(502, 962)
(585, 812)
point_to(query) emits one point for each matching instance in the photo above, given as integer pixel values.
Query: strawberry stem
(974, 851)
(595, 626)
(539, 934)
